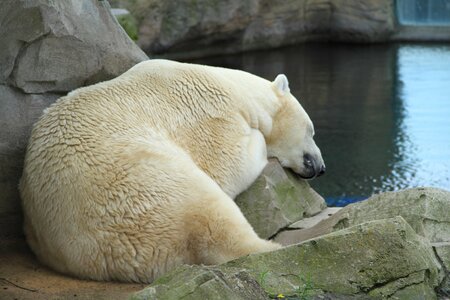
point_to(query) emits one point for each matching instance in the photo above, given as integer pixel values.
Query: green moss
(289, 199)
(129, 24)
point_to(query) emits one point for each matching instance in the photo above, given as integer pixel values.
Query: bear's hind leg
(217, 230)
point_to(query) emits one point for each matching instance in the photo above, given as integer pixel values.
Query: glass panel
(424, 12)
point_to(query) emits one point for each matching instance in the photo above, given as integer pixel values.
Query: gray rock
(277, 199)
(194, 28)
(48, 48)
(378, 259)
(18, 112)
(288, 22)
(197, 28)
(314, 220)
(425, 209)
(442, 251)
(61, 45)
(201, 282)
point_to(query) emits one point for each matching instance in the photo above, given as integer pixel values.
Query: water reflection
(381, 112)
(423, 86)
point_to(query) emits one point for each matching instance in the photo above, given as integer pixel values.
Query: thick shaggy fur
(127, 179)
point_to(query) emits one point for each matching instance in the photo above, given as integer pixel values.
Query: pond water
(381, 112)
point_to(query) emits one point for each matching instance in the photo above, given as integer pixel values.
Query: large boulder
(47, 49)
(378, 259)
(204, 27)
(18, 112)
(191, 28)
(200, 282)
(277, 199)
(425, 209)
(62, 45)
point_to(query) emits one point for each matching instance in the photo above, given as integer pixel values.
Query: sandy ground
(23, 277)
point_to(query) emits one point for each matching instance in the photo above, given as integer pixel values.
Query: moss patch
(129, 24)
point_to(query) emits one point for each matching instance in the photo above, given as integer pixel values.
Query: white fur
(127, 179)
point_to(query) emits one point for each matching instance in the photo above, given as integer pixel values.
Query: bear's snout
(313, 167)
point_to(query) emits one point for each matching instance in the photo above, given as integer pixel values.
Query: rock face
(196, 28)
(377, 259)
(200, 282)
(277, 199)
(61, 45)
(48, 48)
(425, 209)
(18, 112)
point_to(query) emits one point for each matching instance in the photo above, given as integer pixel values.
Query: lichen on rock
(425, 209)
(277, 199)
(378, 259)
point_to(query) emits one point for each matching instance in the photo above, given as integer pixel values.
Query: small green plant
(262, 278)
(303, 292)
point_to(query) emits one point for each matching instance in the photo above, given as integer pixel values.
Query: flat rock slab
(22, 277)
(304, 229)
(425, 209)
(314, 220)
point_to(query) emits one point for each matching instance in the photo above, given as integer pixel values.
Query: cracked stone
(442, 251)
(57, 46)
(200, 282)
(425, 209)
(314, 220)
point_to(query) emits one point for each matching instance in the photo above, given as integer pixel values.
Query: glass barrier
(423, 12)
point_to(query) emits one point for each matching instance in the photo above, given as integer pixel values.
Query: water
(381, 112)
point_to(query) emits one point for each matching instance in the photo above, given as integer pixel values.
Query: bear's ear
(281, 83)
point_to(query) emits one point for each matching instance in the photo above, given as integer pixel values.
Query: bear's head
(291, 139)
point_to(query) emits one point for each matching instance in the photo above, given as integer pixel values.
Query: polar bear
(129, 178)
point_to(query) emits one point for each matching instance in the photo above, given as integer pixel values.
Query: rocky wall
(48, 48)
